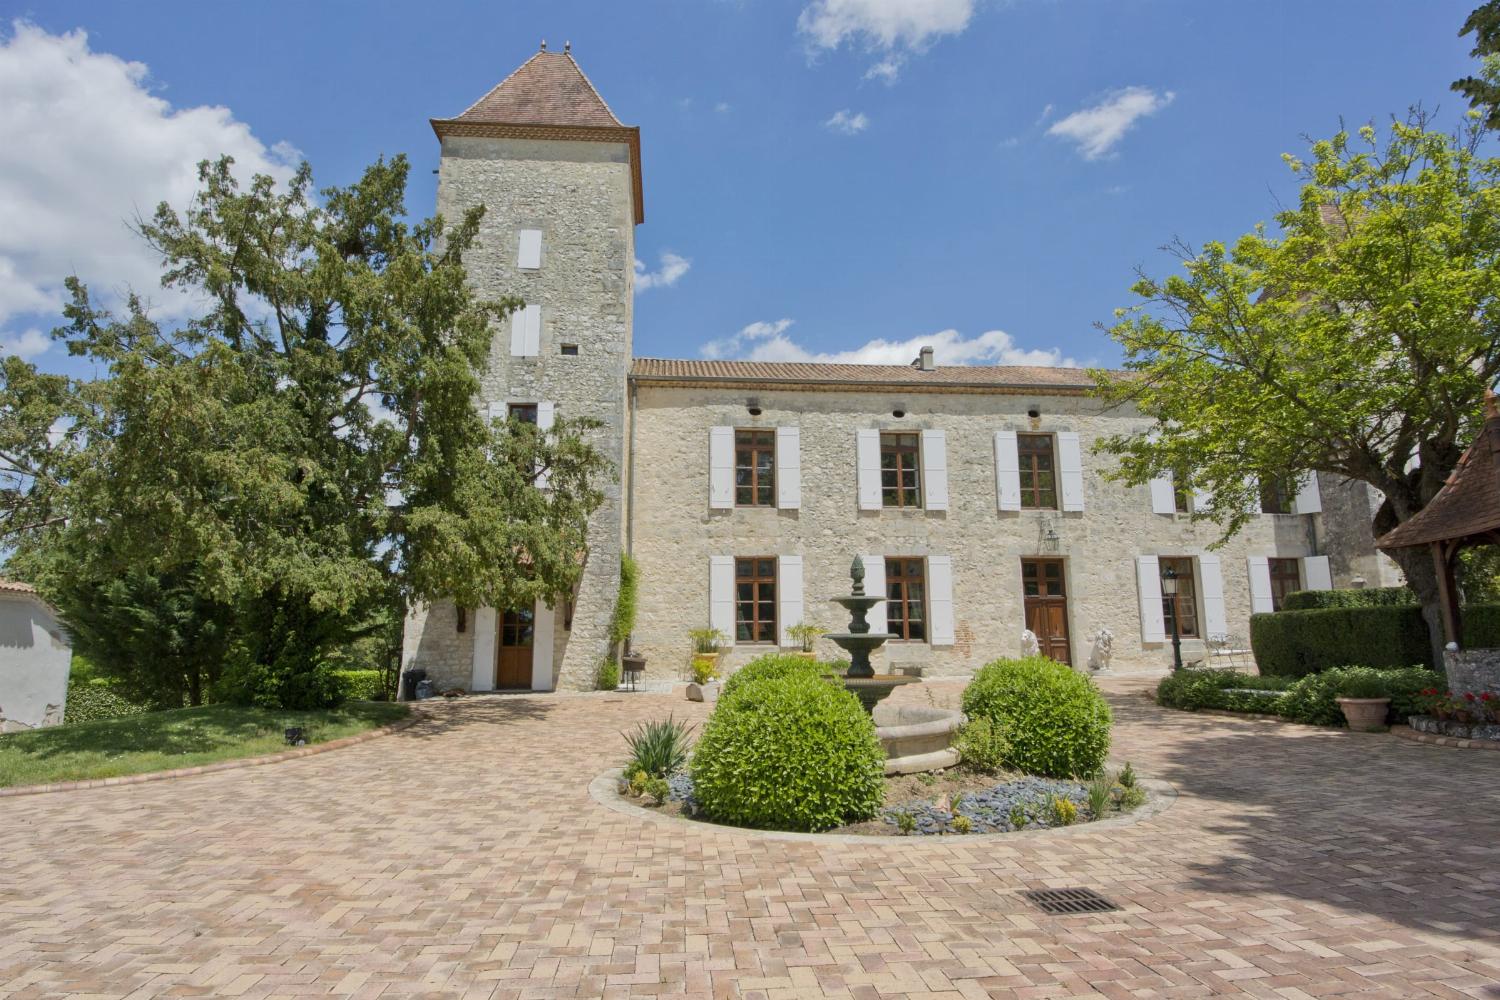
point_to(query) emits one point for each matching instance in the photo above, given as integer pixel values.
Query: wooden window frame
(526, 413)
(1295, 576)
(1027, 461)
(1182, 606)
(1182, 499)
(757, 441)
(758, 582)
(899, 578)
(1276, 498)
(905, 450)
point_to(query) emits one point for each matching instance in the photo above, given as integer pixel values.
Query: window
(523, 412)
(1182, 606)
(1180, 499)
(755, 468)
(1286, 577)
(900, 470)
(1275, 498)
(755, 600)
(905, 591)
(570, 350)
(1038, 472)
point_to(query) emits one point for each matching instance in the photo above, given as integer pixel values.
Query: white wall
(34, 661)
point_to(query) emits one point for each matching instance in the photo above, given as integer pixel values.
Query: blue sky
(840, 177)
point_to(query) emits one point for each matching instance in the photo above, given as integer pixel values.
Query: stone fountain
(859, 642)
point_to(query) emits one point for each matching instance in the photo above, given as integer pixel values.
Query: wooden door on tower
(513, 651)
(1046, 605)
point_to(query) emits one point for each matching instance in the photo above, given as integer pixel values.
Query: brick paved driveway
(464, 858)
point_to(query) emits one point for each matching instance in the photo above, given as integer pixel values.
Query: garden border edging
(604, 790)
(223, 765)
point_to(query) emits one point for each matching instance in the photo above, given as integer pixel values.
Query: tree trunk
(1421, 576)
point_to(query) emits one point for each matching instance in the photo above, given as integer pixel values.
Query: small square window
(570, 350)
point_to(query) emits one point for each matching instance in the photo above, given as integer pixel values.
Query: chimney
(924, 360)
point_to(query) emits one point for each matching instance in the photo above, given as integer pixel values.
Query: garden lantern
(1169, 590)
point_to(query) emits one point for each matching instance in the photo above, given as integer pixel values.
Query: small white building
(35, 658)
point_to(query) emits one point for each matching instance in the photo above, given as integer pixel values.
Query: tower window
(570, 350)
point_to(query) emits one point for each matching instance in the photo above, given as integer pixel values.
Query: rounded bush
(790, 752)
(773, 665)
(1057, 720)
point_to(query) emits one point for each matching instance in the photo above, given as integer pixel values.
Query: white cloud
(847, 122)
(25, 345)
(85, 148)
(768, 341)
(893, 28)
(1046, 113)
(888, 70)
(722, 107)
(1097, 129)
(672, 268)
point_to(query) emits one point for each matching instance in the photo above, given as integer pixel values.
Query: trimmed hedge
(1387, 637)
(1057, 720)
(790, 752)
(773, 665)
(1224, 689)
(93, 700)
(1372, 597)
(362, 685)
(1312, 699)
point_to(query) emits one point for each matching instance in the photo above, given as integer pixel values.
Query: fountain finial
(857, 574)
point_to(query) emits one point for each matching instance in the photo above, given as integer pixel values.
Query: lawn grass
(182, 737)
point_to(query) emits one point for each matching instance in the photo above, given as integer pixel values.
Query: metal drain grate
(1065, 901)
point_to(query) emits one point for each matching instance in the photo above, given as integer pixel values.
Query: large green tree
(1357, 340)
(307, 447)
(1483, 91)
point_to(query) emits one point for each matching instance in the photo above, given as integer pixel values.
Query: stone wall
(675, 531)
(1472, 670)
(579, 194)
(1345, 533)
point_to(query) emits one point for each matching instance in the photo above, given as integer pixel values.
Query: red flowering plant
(1489, 704)
(1436, 703)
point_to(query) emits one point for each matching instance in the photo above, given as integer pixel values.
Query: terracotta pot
(1365, 715)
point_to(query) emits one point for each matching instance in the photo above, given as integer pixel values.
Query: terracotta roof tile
(906, 376)
(547, 89)
(1469, 502)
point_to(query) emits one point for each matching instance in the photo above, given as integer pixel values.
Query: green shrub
(1057, 720)
(659, 748)
(1198, 689)
(983, 745)
(1481, 626)
(772, 665)
(607, 675)
(362, 685)
(1298, 643)
(622, 623)
(1372, 597)
(1313, 699)
(93, 700)
(789, 752)
(287, 684)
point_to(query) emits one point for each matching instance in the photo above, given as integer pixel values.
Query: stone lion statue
(1029, 645)
(1104, 649)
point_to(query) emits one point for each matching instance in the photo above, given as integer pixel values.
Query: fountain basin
(917, 737)
(870, 690)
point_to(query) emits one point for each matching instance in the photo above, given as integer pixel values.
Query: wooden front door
(513, 652)
(1046, 601)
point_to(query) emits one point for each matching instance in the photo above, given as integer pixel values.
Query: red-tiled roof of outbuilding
(1468, 505)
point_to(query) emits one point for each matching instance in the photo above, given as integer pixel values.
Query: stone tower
(560, 179)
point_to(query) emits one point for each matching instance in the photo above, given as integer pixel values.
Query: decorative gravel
(989, 809)
(681, 785)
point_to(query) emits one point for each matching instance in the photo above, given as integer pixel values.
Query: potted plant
(704, 663)
(1465, 709)
(1490, 705)
(806, 634)
(1365, 702)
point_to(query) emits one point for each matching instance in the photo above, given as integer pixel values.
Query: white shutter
(721, 467)
(875, 586)
(788, 596)
(543, 625)
(546, 411)
(526, 331)
(1148, 582)
(935, 470)
(1260, 585)
(789, 468)
(721, 596)
(867, 458)
(1316, 574)
(497, 411)
(1163, 494)
(1007, 471)
(1309, 500)
(1212, 590)
(940, 599)
(1070, 469)
(529, 255)
(484, 626)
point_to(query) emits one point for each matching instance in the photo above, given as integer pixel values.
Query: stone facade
(675, 532)
(1344, 531)
(579, 195)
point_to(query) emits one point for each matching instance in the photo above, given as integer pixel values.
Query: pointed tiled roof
(549, 97)
(547, 89)
(1468, 505)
